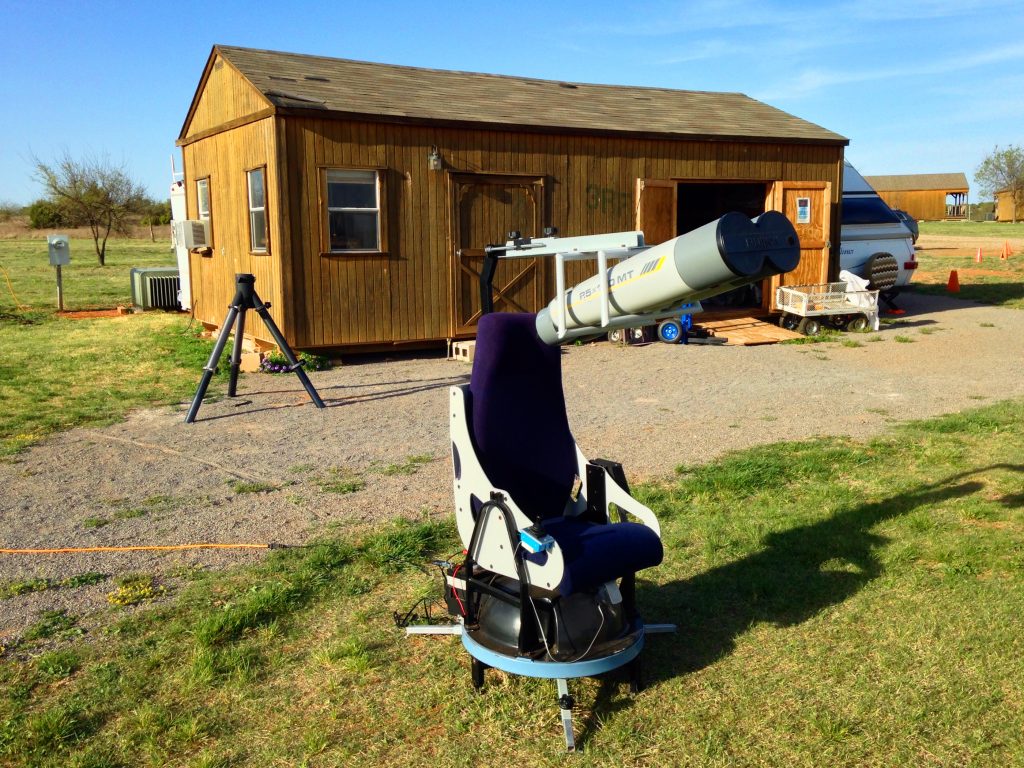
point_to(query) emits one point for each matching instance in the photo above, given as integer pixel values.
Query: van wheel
(882, 271)
(859, 323)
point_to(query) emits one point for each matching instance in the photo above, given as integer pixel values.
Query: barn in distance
(361, 195)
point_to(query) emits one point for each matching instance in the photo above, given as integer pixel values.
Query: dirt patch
(269, 467)
(90, 314)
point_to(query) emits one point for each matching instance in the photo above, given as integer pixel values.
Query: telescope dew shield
(728, 253)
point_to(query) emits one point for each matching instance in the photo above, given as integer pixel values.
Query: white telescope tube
(724, 254)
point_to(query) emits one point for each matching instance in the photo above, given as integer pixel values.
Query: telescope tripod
(245, 299)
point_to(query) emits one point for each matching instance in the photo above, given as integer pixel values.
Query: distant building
(925, 196)
(1004, 207)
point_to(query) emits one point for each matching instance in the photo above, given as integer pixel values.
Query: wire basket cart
(807, 308)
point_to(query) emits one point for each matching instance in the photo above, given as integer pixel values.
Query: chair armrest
(607, 485)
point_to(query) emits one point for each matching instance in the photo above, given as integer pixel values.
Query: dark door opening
(697, 204)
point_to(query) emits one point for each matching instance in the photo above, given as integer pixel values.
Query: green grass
(86, 284)
(997, 229)
(57, 373)
(994, 281)
(839, 603)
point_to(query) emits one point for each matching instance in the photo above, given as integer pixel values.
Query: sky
(917, 87)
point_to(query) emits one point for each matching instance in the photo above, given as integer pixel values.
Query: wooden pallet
(743, 329)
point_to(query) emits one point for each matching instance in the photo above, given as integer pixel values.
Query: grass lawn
(998, 229)
(993, 281)
(87, 285)
(56, 372)
(839, 603)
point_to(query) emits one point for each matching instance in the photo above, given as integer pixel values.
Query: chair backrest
(517, 414)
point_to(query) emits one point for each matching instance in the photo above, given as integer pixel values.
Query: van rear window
(867, 210)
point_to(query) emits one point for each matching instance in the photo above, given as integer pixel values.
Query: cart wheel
(809, 326)
(789, 322)
(670, 331)
(858, 323)
(616, 336)
(637, 334)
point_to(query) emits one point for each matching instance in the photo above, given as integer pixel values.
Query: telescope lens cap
(745, 245)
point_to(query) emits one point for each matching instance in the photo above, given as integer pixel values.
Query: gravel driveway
(155, 480)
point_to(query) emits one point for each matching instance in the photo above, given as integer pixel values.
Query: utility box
(155, 287)
(60, 250)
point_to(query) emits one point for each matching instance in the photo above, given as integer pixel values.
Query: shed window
(257, 211)
(203, 204)
(353, 210)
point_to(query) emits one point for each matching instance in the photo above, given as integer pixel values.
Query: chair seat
(596, 553)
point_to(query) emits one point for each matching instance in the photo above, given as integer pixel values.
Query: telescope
(553, 540)
(649, 282)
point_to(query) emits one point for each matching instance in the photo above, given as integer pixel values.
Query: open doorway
(701, 202)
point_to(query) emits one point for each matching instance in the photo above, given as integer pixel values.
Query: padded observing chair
(547, 587)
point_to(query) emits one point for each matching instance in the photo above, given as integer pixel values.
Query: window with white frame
(353, 210)
(257, 211)
(203, 204)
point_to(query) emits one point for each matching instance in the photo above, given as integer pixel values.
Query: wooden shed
(361, 195)
(1006, 210)
(925, 196)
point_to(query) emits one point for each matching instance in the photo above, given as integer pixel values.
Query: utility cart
(843, 305)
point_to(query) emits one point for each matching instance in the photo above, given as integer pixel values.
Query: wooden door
(485, 208)
(808, 205)
(656, 209)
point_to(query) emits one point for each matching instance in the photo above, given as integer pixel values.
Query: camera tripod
(245, 299)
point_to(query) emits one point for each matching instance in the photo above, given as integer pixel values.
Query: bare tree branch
(94, 192)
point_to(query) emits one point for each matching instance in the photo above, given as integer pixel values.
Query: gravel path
(155, 480)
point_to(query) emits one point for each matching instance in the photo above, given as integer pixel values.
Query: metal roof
(919, 182)
(412, 94)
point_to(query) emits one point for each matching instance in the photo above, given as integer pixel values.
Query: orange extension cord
(151, 548)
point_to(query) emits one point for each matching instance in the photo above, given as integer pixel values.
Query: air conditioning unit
(155, 287)
(192, 233)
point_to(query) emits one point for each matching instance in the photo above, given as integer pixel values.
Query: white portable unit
(179, 215)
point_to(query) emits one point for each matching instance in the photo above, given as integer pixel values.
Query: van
(874, 242)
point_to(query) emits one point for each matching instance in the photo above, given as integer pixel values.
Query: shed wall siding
(924, 205)
(227, 96)
(225, 158)
(405, 295)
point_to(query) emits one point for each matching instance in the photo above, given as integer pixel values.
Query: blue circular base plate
(552, 670)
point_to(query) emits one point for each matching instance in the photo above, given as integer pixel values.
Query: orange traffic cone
(1006, 250)
(953, 286)
(977, 257)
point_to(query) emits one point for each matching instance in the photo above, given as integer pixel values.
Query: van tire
(882, 271)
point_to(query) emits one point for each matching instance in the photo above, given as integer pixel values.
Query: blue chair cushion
(596, 553)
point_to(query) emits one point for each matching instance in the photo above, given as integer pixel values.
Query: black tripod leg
(211, 364)
(287, 351)
(236, 354)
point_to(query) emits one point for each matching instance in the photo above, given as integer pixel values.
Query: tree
(94, 192)
(1001, 171)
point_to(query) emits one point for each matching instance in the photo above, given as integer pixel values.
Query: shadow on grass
(797, 574)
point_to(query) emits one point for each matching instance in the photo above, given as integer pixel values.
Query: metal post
(60, 291)
(565, 704)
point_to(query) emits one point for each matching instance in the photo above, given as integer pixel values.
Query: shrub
(46, 214)
(275, 362)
